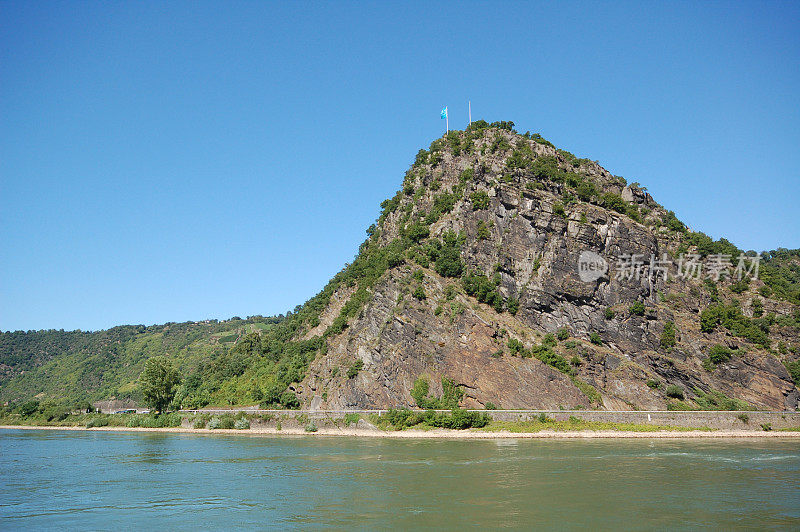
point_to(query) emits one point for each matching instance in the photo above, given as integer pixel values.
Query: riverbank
(437, 433)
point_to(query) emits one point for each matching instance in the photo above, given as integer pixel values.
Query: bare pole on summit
(470, 113)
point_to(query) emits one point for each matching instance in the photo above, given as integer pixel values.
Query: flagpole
(470, 113)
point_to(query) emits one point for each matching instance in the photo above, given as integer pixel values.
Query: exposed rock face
(400, 343)
(528, 240)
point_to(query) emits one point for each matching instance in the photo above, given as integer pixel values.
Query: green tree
(419, 293)
(668, 335)
(609, 200)
(586, 190)
(719, 354)
(480, 200)
(637, 308)
(158, 382)
(420, 391)
(448, 257)
(28, 408)
(417, 231)
(483, 231)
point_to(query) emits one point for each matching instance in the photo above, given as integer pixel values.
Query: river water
(117, 481)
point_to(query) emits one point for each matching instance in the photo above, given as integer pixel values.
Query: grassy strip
(137, 420)
(577, 424)
(404, 418)
(71, 420)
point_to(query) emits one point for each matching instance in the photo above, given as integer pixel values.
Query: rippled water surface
(105, 480)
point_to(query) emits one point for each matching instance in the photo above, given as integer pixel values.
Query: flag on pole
(444, 113)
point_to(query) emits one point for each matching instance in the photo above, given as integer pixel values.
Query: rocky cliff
(472, 276)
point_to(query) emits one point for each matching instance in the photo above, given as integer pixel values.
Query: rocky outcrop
(528, 238)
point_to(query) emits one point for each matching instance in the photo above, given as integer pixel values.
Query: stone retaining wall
(722, 420)
(714, 420)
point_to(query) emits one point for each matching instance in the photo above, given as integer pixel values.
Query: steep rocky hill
(483, 289)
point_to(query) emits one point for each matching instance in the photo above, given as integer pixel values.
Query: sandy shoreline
(437, 433)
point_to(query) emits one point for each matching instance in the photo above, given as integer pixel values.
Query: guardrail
(498, 411)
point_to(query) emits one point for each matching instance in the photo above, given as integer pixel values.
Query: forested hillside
(81, 365)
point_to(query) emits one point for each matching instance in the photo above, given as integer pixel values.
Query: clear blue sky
(189, 160)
